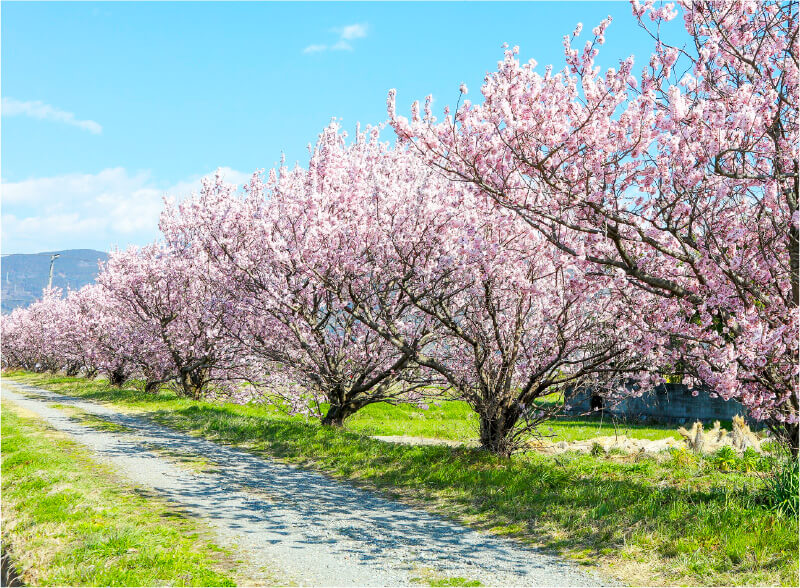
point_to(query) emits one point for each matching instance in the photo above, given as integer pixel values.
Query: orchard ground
(668, 519)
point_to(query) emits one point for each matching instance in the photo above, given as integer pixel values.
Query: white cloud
(112, 207)
(346, 33)
(353, 31)
(39, 110)
(315, 48)
(72, 186)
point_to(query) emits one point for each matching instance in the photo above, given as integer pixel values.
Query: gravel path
(300, 525)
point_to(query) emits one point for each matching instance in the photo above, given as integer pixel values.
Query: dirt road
(293, 523)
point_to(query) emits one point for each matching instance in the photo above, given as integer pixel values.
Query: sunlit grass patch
(71, 521)
(454, 420)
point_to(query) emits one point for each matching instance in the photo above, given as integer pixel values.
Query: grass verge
(456, 421)
(70, 521)
(649, 521)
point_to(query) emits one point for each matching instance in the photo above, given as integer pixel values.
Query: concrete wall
(665, 403)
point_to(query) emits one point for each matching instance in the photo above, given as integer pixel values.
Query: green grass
(455, 421)
(452, 420)
(70, 521)
(429, 577)
(582, 428)
(673, 520)
(449, 419)
(454, 581)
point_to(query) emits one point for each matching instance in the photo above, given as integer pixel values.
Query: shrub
(782, 488)
(750, 460)
(725, 459)
(682, 457)
(597, 450)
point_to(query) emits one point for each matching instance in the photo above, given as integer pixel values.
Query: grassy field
(671, 520)
(69, 521)
(448, 419)
(455, 421)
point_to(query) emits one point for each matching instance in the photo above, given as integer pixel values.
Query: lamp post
(52, 261)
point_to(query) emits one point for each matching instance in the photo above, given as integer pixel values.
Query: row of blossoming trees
(574, 229)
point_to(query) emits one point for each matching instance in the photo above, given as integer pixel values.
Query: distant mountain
(24, 275)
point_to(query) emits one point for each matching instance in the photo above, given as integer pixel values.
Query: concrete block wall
(667, 403)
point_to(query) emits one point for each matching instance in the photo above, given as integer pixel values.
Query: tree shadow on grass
(599, 508)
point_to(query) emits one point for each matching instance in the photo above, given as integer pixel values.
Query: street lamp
(52, 261)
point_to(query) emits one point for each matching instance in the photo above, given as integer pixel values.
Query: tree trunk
(152, 387)
(117, 377)
(792, 432)
(337, 413)
(496, 428)
(193, 383)
(787, 435)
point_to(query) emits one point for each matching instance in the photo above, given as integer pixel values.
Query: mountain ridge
(23, 276)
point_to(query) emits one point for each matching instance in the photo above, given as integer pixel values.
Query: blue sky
(107, 107)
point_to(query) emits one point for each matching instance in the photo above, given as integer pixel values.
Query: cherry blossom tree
(21, 348)
(497, 313)
(17, 353)
(102, 327)
(69, 342)
(31, 336)
(13, 356)
(47, 336)
(265, 250)
(172, 319)
(683, 180)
